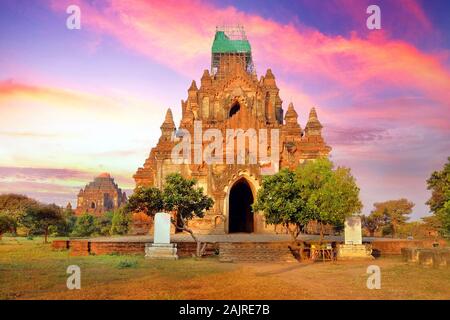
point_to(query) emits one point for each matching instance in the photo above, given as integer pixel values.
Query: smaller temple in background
(100, 196)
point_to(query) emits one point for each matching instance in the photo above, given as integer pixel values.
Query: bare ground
(30, 270)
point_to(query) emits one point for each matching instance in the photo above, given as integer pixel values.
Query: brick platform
(255, 251)
(235, 247)
(60, 244)
(79, 247)
(435, 257)
(395, 246)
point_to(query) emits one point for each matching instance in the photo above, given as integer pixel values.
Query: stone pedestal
(161, 248)
(162, 251)
(354, 251)
(352, 230)
(353, 247)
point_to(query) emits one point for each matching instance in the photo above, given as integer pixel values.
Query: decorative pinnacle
(193, 86)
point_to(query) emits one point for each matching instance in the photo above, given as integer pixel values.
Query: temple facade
(230, 96)
(100, 196)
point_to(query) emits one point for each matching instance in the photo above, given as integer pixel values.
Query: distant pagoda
(100, 196)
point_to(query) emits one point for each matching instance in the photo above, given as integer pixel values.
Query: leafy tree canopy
(6, 224)
(439, 203)
(394, 212)
(85, 226)
(40, 217)
(14, 206)
(314, 192)
(120, 221)
(279, 199)
(145, 199)
(183, 197)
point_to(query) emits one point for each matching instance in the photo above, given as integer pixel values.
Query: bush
(85, 226)
(120, 222)
(67, 226)
(6, 224)
(387, 231)
(127, 264)
(104, 224)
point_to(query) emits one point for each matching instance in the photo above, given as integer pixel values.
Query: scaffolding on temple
(230, 48)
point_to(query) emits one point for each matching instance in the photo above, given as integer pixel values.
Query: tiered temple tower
(230, 96)
(100, 196)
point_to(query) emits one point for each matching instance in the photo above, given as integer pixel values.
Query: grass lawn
(31, 270)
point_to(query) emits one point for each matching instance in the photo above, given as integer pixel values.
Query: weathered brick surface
(60, 244)
(117, 247)
(187, 249)
(79, 247)
(85, 247)
(232, 97)
(395, 246)
(255, 251)
(436, 257)
(238, 251)
(100, 196)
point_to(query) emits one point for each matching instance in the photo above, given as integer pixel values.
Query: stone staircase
(255, 252)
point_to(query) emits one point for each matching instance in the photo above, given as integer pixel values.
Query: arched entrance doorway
(240, 210)
(234, 109)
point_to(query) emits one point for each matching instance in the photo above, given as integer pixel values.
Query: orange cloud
(11, 91)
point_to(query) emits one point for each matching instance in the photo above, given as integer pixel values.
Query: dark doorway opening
(240, 207)
(234, 109)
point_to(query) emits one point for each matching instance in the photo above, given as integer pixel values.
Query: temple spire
(313, 127)
(169, 119)
(168, 126)
(206, 79)
(193, 86)
(291, 120)
(291, 113)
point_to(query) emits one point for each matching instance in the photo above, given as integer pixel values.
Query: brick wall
(60, 244)
(236, 251)
(395, 246)
(117, 247)
(79, 247)
(255, 251)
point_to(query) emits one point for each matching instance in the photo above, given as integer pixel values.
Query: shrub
(127, 264)
(85, 226)
(120, 222)
(104, 223)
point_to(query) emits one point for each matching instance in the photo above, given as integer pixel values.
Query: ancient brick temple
(100, 196)
(230, 96)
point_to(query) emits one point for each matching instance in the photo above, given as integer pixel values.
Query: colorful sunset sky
(74, 103)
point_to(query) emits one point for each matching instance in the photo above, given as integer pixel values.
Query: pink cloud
(179, 34)
(357, 68)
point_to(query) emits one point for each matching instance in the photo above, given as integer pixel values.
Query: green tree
(185, 201)
(373, 222)
(67, 225)
(395, 212)
(6, 224)
(439, 202)
(120, 221)
(145, 199)
(14, 206)
(329, 195)
(85, 226)
(39, 217)
(314, 192)
(433, 223)
(279, 200)
(103, 223)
